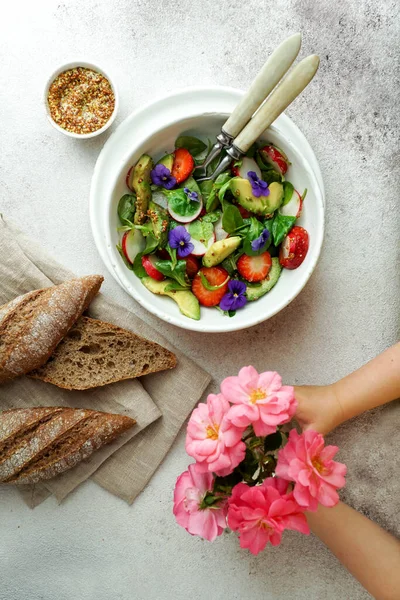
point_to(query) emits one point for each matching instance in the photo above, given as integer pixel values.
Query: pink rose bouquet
(250, 475)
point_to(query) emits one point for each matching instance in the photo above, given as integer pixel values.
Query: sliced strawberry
(215, 276)
(235, 171)
(183, 164)
(254, 268)
(149, 264)
(294, 248)
(192, 266)
(128, 179)
(276, 158)
(245, 213)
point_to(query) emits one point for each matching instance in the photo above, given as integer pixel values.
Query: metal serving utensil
(287, 91)
(272, 72)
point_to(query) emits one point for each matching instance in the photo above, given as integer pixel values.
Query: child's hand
(318, 408)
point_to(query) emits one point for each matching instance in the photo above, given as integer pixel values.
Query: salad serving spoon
(284, 94)
(272, 72)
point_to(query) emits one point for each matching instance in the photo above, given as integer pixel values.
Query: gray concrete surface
(93, 545)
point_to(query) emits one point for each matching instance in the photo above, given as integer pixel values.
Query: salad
(219, 244)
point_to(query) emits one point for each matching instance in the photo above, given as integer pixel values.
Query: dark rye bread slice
(40, 443)
(95, 353)
(32, 325)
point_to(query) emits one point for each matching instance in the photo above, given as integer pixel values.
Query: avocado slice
(220, 250)
(255, 292)
(167, 161)
(141, 185)
(159, 221)
(187, 302)
(264, 205)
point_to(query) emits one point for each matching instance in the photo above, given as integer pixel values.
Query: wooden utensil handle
(272, 72)
(285, 93)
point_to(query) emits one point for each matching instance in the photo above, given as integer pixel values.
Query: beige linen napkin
(159, 402)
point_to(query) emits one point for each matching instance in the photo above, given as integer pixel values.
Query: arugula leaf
(192, 144)
(201, 230)
(212, 217)
(281, 226)
(179, 203)
(207, 284)
(126, 209)
(288, 189)
(231, 218)
(178, 272)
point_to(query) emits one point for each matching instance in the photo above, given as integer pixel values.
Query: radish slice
(248, 164)
(220, 233)
(128, 179)
(149, 264)
(132, 243)
(293, 207)
(186, 218)
(199, 248)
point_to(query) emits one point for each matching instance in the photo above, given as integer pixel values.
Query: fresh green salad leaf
(174, 286)
(193, 144)
(255, 230)
(231, 218)
(223, 189)
(281, 226)
(270, 175)
(179, 203)
(126, 209)
(288, 190)
(208, 286)
(193, 186)
(151, 245)
(201, 230)
(178, 272)
(212, 217)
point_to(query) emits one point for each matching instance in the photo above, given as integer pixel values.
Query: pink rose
(261, 513)
(260, 399)
(212, 440)
(190, 490)
(306, 460)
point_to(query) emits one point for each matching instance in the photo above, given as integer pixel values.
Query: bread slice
(40, 443)
(32, 325)
(94, 353)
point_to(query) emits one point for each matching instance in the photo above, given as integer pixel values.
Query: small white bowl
(86, 65)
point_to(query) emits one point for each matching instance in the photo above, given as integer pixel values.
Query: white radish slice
(220, 233)
(186, 219)
(199, 248)
(249, 164)
(160, 199)
(132, 243)
(293, 207)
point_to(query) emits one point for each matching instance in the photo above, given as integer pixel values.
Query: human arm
(323, 408)
(371, 554)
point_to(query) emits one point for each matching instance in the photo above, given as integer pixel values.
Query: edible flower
(259, 242)
(161, 176)
(258, 186)
(179, 238)
(235, 298)
(191, 195)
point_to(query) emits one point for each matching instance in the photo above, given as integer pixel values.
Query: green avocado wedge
(263, 205)
(221, 250)
(167, 161)
(186, 301)
(255, 292)
(141, 185)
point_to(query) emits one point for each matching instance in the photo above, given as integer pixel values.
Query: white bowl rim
(87, 65)
(200, 326)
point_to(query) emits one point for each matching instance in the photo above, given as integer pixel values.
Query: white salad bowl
(153, 130)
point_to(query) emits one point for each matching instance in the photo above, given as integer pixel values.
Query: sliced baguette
(40, 443)
(32, 325)
(95, 353)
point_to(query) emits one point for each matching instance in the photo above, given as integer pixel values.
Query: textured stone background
(95, 546)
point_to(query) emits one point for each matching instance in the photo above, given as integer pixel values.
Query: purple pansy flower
(179, 238)
(161, 176)
(235, 298)
(258, 186)
(191, 195)
(259, 242)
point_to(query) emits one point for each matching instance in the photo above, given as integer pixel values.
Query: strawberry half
(148, 262)
(254, 268)
(276, 158)
(294, 248)
(183, 164)
(192, 266)
(215, 276)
